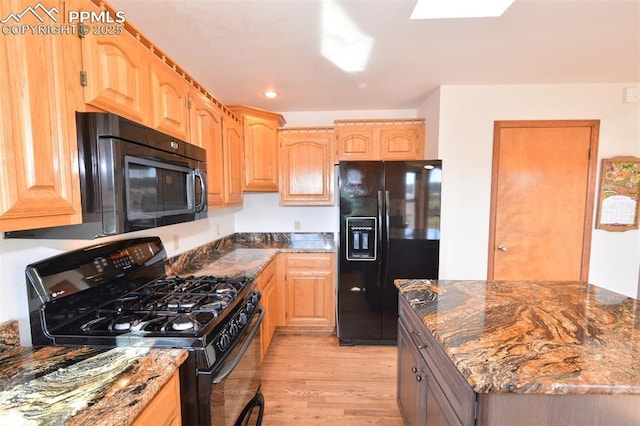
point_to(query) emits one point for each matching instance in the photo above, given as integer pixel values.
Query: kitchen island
(513, 352)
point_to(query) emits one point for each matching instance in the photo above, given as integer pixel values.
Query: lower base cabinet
(270, 301)
(164, 408)
(310, 290)
(298, 292)
(430, 390)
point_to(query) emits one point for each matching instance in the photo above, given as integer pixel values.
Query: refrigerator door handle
(387, 244)
(380, 242)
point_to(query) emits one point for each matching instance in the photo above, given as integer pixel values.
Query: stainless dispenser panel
(362, 237)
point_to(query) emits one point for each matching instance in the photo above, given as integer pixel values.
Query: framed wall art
(619, 194)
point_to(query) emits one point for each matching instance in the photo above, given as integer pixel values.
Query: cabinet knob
(414, 369)
(502, 247)
(418, 378)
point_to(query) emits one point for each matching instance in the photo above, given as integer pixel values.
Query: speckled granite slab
(201, 258)
(9, 335)
(81, 386)
(533, 337)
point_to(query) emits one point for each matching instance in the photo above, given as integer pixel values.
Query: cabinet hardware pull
(414, 337)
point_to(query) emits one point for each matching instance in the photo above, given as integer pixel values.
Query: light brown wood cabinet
(164, 409)
(206, 132)
(310, 290)
(260, 136)
(116, 75)
(39, 182)
(170, 100)
(233, 160)
(306, 166)
(380, 139)
(271, 294)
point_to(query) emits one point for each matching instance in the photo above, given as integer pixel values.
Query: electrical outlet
(176, 241)
(296, 225)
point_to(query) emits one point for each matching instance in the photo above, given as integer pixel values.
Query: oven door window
(155, 189)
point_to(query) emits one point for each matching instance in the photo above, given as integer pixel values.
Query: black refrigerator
(389, 229)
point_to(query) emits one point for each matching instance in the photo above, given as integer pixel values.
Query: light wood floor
(309, 379)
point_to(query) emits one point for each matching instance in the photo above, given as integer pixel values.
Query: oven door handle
(229, 366)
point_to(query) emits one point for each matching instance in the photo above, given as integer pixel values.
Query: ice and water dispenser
(361, 238)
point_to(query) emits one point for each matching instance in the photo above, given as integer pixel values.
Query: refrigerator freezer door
(359, 282)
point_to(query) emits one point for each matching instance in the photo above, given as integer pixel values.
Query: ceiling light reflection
(342, 42)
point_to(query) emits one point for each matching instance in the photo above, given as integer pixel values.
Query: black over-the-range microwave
(131, 178)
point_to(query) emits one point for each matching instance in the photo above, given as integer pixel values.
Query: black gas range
(117, 294)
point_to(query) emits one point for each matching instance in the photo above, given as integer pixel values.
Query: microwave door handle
(228, 367)
(203, 192)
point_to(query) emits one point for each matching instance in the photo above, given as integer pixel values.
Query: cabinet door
(170, 106)
(260, 154)
(267, 285)
(412, 384)
(401, 143)
(233, 164)
(164, 409)
(260, 135)
(310, 290)
(206, 132)
(306, 168)
(39, 182)
(117, 75)
(357, 144)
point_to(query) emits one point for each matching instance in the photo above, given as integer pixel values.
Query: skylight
(443, 9)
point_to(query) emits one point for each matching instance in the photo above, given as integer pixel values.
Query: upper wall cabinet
(306, 166)
(206, 132)
(233, 161)
(170, 100)
(260, 135)
(129, 77)
(116, 76)
(39, 183)
(393, 139)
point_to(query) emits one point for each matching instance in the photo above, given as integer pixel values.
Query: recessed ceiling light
(442, 9)
(271, 94)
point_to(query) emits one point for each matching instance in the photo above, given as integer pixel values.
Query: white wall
(467, 114)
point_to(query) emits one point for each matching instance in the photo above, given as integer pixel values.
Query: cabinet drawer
(309, 262)
(453, 384)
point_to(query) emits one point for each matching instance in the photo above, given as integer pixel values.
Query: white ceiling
(238, 48)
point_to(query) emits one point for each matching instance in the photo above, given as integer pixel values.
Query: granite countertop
(100, 386)
(533, 337)
(81, 386)
(246, 254)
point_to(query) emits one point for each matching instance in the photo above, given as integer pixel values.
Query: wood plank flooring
(309, 379)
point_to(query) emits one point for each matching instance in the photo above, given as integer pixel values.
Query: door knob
(502, 247)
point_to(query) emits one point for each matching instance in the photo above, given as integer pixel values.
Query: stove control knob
(242, 319)
(233, 329)
(224, 341)
(255, 298)
(249, 307)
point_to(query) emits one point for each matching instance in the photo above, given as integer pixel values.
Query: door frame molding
(591, 183)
